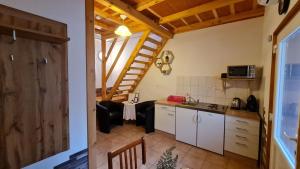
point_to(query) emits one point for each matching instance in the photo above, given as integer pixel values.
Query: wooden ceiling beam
(254, 4)
(123, 8)
(113, 18)
(222, 20)
(215, 13)
(198, 9)
(184, 21)
(232, 9)
(104, 26)
(147, 4)
(198, 18)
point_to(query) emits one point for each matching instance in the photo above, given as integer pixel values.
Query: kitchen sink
(190, 103)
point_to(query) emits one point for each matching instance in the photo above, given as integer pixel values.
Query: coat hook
(11, 56)
(14, 35)
(45, 60)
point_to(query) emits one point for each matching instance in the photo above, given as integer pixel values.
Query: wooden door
(33, 101)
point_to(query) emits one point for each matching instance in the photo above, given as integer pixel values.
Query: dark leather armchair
(145, 115)
(108, 113)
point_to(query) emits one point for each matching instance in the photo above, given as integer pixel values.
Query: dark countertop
(214, 108)
(221, 109)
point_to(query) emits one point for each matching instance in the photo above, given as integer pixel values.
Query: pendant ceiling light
(123, 30)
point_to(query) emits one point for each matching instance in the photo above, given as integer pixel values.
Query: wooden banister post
(103, 48)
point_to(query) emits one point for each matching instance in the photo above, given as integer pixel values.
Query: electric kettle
(236, 103)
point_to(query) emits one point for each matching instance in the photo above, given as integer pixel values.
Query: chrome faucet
(190, 99)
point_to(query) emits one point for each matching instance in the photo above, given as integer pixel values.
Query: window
(288, 96)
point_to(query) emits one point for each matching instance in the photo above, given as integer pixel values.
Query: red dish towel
(178, 99)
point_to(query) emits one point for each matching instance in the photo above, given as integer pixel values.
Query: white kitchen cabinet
(210, 133)
(165, 118)
(186, 125)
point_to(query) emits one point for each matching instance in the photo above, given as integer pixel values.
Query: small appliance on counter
(236, 103)
(178, 99)
(252, 104)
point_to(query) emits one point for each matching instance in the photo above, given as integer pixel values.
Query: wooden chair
(123, 151)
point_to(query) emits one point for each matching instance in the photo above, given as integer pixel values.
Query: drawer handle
(241, 144)
(241, 121)
(164, 107)
(241, 129)
(241, 137)
(170, 114)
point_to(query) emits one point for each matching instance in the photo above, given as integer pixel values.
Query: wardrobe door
(20, 120)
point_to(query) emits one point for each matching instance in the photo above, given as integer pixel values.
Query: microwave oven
(242, 71)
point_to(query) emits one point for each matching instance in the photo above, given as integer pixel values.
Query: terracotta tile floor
(156, 143)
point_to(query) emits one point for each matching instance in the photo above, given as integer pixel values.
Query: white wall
(71, 12)
(206, 52)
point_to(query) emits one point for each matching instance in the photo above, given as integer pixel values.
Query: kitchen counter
(166, 103)
(243, 114)
(220, 109)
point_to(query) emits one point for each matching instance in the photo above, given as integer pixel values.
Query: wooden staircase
(139, 62)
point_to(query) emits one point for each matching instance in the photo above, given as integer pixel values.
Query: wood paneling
(33, 93)
(121, 7)
(218, 21)
(176, 14)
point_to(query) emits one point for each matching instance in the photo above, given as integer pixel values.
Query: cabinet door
(211, 131)
(186, 125)
(165, 118)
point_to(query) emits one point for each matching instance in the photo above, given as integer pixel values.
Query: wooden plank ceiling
(168, 17)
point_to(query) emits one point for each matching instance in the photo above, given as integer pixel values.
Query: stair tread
(135, 74)
(121, 94)
(139, 68)
(149, 39)
(148, 48)
(124, 85)
(145, 55)
(142, 62)
(130, 79)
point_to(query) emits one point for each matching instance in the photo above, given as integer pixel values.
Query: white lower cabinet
(201, 129)
(165, 118)
(186, 125)
(210, 135)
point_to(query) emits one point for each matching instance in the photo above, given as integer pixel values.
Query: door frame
(90, 83)
(288, 18)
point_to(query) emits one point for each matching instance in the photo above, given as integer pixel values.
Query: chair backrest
(130, 150)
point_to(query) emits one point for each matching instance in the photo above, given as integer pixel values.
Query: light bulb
(123, 30)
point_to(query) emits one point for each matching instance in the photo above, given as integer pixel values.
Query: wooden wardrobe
(34, 118)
